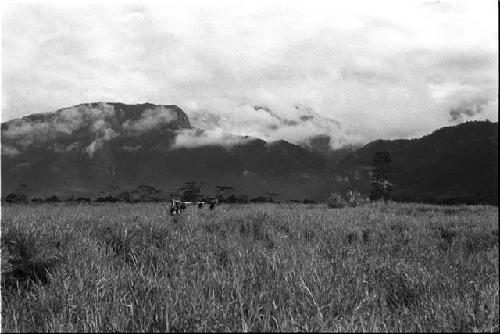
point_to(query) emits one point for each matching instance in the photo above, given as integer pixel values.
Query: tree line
(190, 191)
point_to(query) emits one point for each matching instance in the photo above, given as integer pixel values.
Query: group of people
(177, 206)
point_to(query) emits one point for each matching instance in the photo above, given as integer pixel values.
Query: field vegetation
(255, 267)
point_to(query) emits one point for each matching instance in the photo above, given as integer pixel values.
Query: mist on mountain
(82, 149)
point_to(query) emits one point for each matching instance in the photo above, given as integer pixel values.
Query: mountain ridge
(452, 164)
(83, 148)
(94, 145)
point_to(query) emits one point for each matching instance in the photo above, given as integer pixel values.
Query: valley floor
(267, 267)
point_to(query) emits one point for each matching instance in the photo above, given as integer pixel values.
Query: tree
(190, 191)
(110, 190)
(18, 196)
(224, 193)
(145, 193)
(52, 198)
(271, 196)
(124, 196)
(380, 174)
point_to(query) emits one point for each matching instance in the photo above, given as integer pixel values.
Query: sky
(356, 71)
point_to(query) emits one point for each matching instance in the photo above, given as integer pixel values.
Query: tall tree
(381, 172)
(190, 191)
(19, 196)
(145, 193)
(224, 193)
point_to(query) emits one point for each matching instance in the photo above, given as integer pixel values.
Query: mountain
(83, 149)
(456, 164)
(89, 148)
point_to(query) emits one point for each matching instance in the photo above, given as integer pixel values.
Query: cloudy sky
(270, 69)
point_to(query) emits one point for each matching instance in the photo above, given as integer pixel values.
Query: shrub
(478, 241)
(336, 201)
(16, 198)
(83, 199)
(351, 237)
(354, 198)
(395, 288)
(447, 235)
(22, 262)
(309, 201)
(53, 198)
(110, 199)
(350, 198)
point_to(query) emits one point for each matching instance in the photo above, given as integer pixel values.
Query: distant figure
(175, 207)
(211, 205)
(200, 205)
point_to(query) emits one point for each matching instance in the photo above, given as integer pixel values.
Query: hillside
(88, 148)
(453, 164)
(84, 149)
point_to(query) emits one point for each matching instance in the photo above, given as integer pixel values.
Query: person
(200, 205)
(174, 207)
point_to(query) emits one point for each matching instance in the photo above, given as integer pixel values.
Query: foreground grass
(394, 267)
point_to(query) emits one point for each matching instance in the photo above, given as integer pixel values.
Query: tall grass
(267, 267)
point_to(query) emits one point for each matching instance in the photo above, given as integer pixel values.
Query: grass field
(268, 267)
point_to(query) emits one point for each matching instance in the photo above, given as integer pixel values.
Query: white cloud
(132, 148)
(150, 119)
(296, 125)
(27, 131)
(382, 69)
(59, 148)
(190, 138)
(9, 150)
(102, 136)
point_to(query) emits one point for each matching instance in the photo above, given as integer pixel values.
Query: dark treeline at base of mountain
(452, 165)
(103, 152)
(144, 193)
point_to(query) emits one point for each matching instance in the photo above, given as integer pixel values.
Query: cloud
(9, 150)
(39, 128)
(25, 133)
(282, 120)
(60, 148)
(150, 119)
(297, 125)
(132, 148)
(96, 144)
(457, 114)
(382, 70)
(465, 107)
(190, 138)
(104, 135)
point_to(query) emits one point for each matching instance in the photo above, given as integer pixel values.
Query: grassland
(268, 267)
